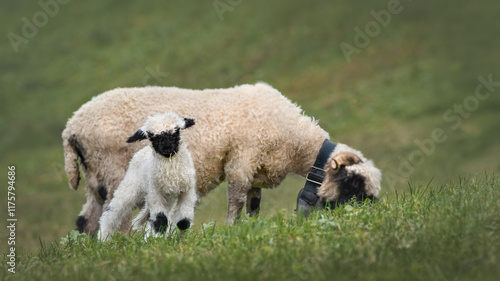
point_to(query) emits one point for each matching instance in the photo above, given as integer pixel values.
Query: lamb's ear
(188, 122)
(138, 136)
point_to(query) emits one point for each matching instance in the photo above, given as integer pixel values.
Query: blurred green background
(419, 65)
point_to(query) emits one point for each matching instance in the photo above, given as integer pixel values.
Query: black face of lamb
(350, 186)
(166, 144)
(161, 223)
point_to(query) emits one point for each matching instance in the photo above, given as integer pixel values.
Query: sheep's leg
(125, 199)
(253, 201)
(236, 198)
(88, 218)
(184, 214)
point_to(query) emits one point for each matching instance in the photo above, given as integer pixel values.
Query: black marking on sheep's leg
(184, 224)
(253, 201)
(107, 209)
(255, 204)
(81, 222)
(78, 147)
(102, 192)
(161, 223)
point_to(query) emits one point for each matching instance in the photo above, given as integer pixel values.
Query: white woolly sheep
(249, 135)
(161, 174)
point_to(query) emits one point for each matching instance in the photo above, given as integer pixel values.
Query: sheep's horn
(346, 159)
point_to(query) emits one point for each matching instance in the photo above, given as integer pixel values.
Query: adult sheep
(249, 135)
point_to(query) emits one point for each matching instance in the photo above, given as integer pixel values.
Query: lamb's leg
(159, 212)
(236, 198)
(141, 218)
(184, 214)
(125, 199)
(114, 180)
(126, 225)
(253, 201)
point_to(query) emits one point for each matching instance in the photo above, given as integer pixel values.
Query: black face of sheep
(350, 186)
(348, 177)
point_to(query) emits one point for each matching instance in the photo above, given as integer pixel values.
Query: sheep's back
(246, 116)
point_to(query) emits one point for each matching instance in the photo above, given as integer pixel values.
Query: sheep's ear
(188, 122)
(138, 136)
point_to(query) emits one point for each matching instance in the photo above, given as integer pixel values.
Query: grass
(393, 93)
(449, 232)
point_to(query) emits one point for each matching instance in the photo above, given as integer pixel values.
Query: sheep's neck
(306, 155)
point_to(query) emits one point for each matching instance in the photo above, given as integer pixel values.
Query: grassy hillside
(409, 80)
(447, 232)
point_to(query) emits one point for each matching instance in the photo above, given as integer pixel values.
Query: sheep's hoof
(81, 223)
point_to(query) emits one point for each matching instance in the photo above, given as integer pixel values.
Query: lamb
(161, 174)
(249, 135)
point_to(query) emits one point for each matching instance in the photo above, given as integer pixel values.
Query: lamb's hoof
(184, 224)
(160, 224)
(101, 236)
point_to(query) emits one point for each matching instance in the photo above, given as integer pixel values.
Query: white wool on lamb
(161, 175)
